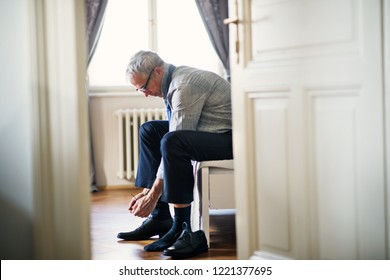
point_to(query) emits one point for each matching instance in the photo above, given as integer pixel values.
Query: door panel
(291, 29)
(270, 126)
(335, 145)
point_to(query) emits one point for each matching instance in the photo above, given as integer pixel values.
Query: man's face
(148, 85)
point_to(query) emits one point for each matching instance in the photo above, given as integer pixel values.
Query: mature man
(199, 128)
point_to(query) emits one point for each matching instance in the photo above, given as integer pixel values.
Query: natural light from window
(181, 39)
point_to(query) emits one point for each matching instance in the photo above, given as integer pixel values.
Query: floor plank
(109, 215)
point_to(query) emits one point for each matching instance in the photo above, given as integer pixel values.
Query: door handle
(233, 20)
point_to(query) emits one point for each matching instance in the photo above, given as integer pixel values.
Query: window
(173, 28)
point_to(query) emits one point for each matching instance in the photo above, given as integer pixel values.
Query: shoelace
(185, 234)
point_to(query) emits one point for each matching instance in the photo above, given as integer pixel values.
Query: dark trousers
(177, 149)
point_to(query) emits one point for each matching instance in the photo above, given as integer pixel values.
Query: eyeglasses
(144, 87)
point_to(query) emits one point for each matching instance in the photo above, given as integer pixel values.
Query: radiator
(129, 122)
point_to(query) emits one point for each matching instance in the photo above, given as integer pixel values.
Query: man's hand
(144, 203)
(136, 197)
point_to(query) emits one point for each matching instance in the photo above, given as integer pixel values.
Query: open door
(307, 79)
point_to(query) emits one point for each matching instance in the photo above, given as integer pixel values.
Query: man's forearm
(157, 188)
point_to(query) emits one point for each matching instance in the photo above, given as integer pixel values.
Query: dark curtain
(95, 17)
(213, 12)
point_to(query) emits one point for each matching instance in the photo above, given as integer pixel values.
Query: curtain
(213, 12)
(95, 18)
(95, 10)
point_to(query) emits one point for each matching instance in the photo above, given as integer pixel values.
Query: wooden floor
(109, 215)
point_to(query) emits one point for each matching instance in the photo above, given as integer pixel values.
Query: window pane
(125, 31)
(182, 38)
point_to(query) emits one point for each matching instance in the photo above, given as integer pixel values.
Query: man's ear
(159, 70)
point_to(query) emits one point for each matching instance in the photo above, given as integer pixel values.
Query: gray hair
(143, 62)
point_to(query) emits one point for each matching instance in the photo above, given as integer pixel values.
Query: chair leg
(205, 203)
(196, 215)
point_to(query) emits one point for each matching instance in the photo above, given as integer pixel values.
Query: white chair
(214, 189)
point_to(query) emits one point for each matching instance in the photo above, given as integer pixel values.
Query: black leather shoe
(188, 245)
(150, 227)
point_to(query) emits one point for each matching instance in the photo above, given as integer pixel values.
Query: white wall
(16, 132)
(104, 131)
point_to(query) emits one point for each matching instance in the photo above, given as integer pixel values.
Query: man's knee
(170, 141)
(148, 130)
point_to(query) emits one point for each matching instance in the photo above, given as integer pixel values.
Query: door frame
(61, 147)
(386, 91)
